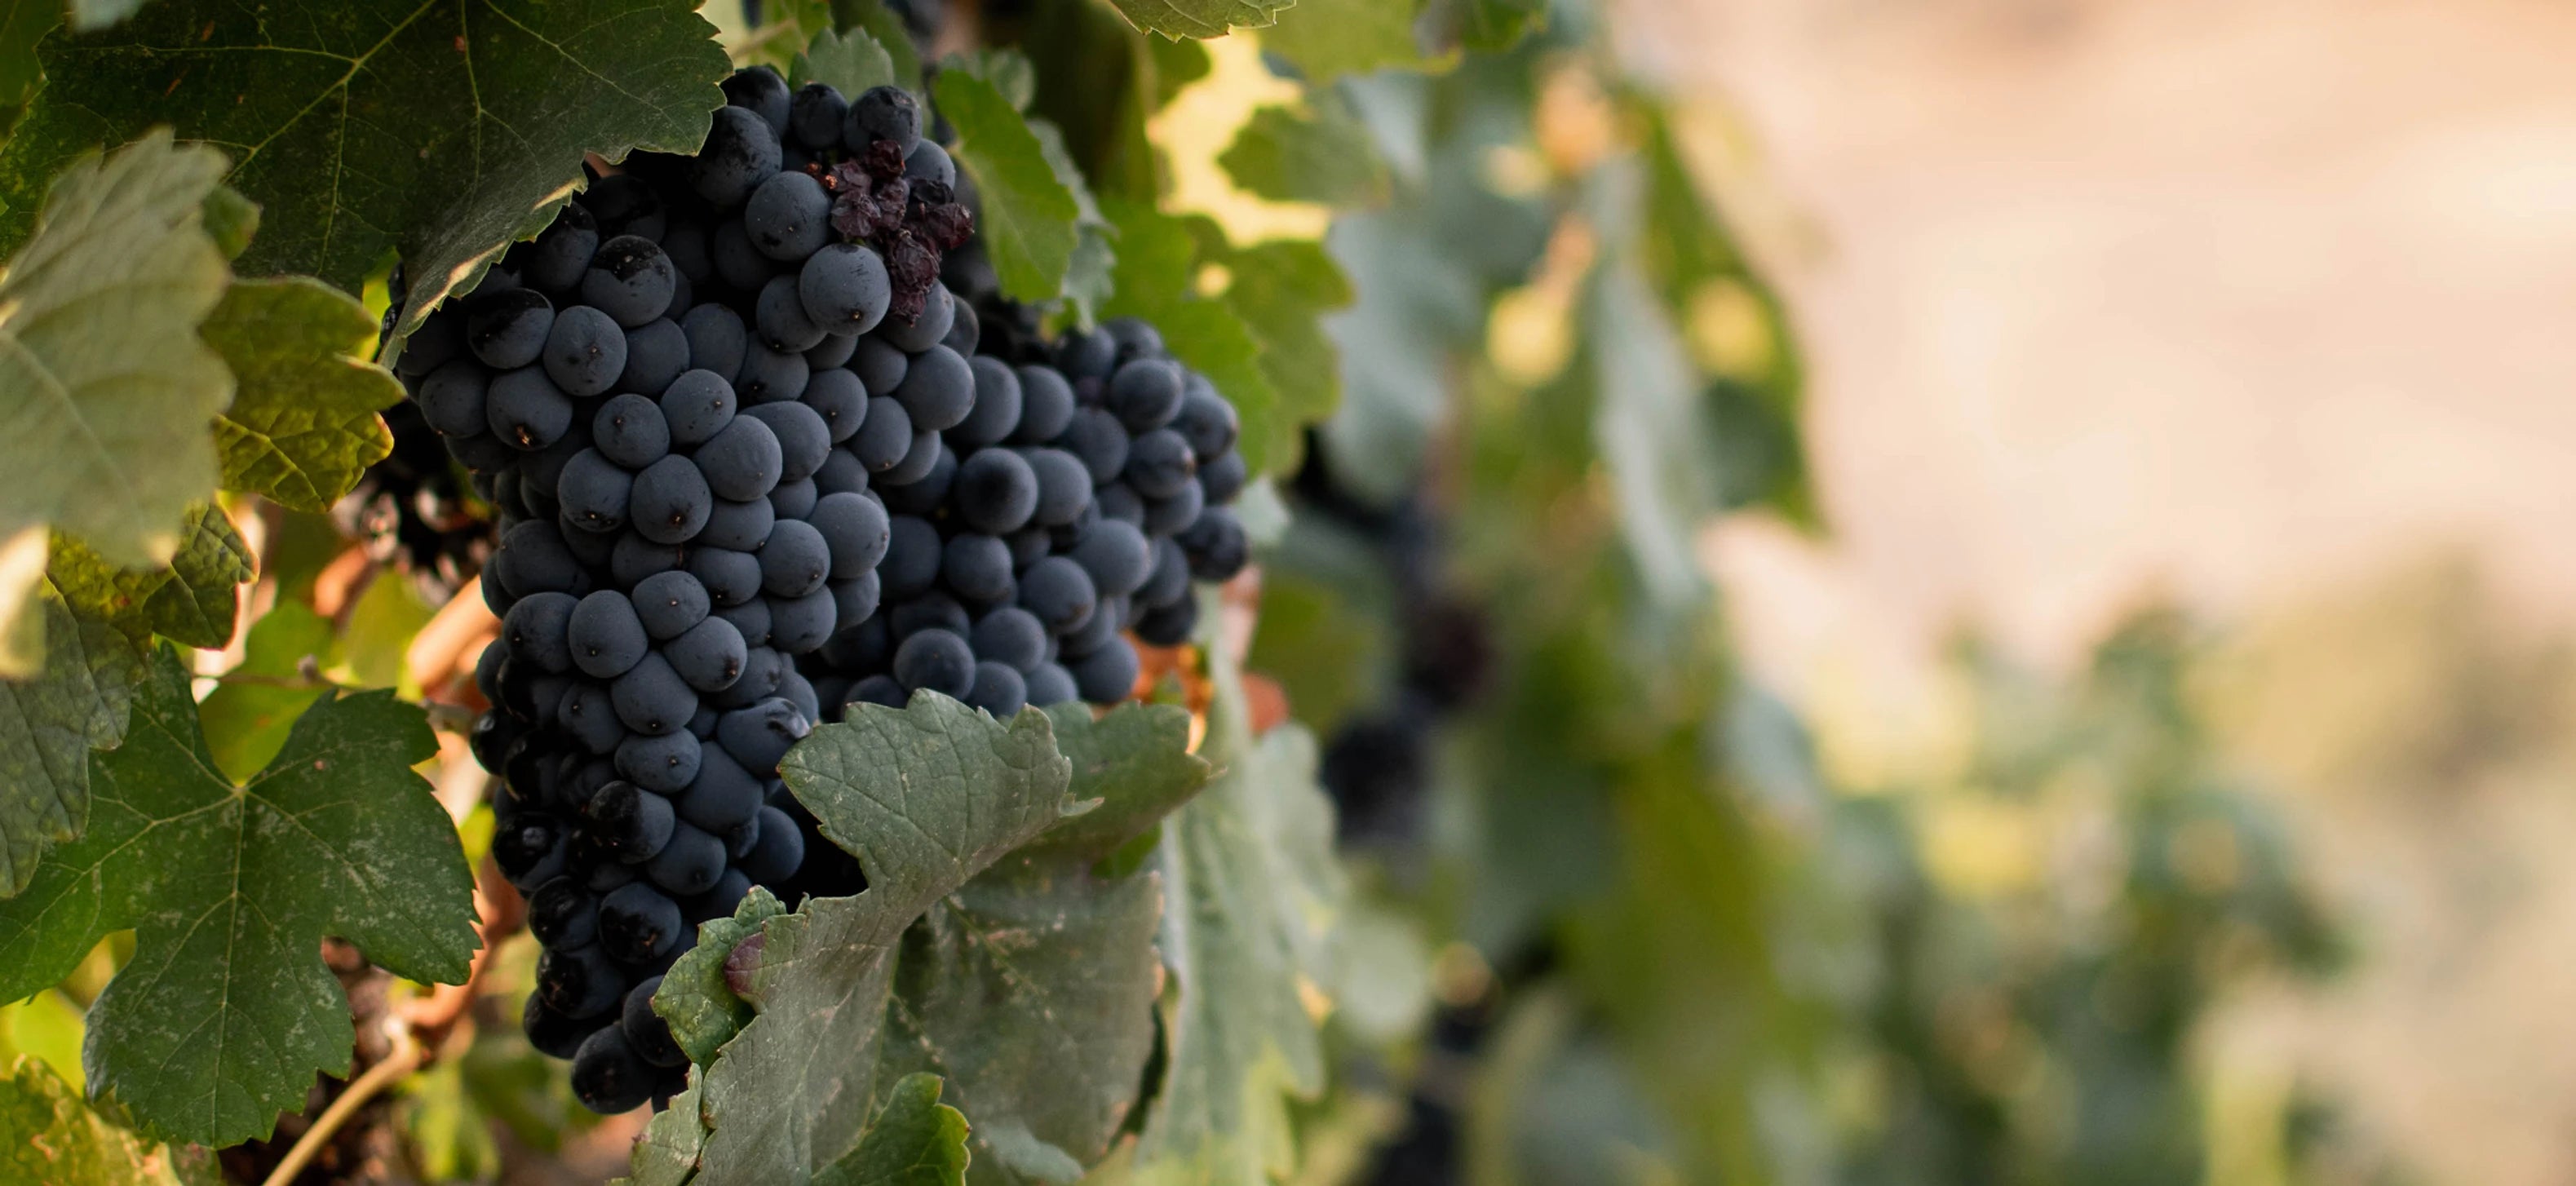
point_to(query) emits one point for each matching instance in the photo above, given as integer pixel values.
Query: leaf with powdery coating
(926, 797)
(1032, 988)
(226, 1010)
(303, 426)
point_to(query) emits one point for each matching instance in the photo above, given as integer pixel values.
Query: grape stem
(402, 1060)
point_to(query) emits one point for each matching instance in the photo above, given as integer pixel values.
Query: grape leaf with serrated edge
(1031, 989)
(667, 1153)
(1027, 220)
(926, 797)
(888, 30)
(226, 1010)
(48, 1135)
(1199, 18)
(1156, 276)
(1254, 886)
(303, 424)
(105, 384)
(702, 1012)
(915, 1140)
(849, 60)
(443, 128)
(192, 599)
(48, 726)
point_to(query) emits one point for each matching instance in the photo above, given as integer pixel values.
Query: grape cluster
(747, 468)
(1077, 498)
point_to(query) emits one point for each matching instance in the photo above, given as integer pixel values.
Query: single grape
(630, 280)
(451, 398)
(938, 312)
(1206, 421)
(525, 409)
(646, 1031)
(853, 600)
(692, 861)
(708, 656)
(1050, 684)
(606, 637)
(879, 364)
(589, 715)
(537, 629)
(656, 352)
(1059, 593)
(585, 351)
(697, 406)
(662, 764)
(788, 217)
(1046, 405)
(779, 315)
(671, 502)
(779, 852)
(799, 625)
(532, 559)
(998, 690)
(834, 351)
(1097, 440)
(882, 113)
(926, 495)
(845, 288)
(579, 982)
(769, 376)
(1216, 545)
(1159, 464)
(911, 562)
(721, 799)
(1171, 516)
(842, 473)
(996, 491)
(804, 440)
(814, 115)
(563, 914)
(637, 923)
(651, 699)
(795, 561)
(930, 611)
(741, 526)
(884, 437)
(759, 90)
(741, 151)
(593, 492)
(751, 619)
(938, 661)
(741, 461)
(729, 577)
(1012, 636)
(928, 161)
(1120, 501)
(1116, 556)
(1107, 675)
(997, 405)
(508, 330)
(878, 689)
(669, 603)
(1145, 394)
(966, 330)
(717, 339)
(1063, 486)
(838, 398)
(1170, 579)
(939, 389)
(630, 431)
(433, 344)
(1222, 479)
(1091, 355)
(978, 568)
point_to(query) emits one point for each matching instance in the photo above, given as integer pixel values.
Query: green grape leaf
(1156, 276)
(667, 1153)
(1199, 18)
(107, 386)
(48, 1135)
(1027, 219)
(1327, 39)
(439, 128)
(191, 600)
(1031, 989)
(926, 797)
(303, 425)
(1254, 891)
(1008, 70)
(1324, 156)
(50, 722)
(247, 718)
(1282, 289)
(226, 1010)
(914, 1141)
(1652, 432)
(887, 28)
(1087, 276)
(849, 60)
(703, 1013)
